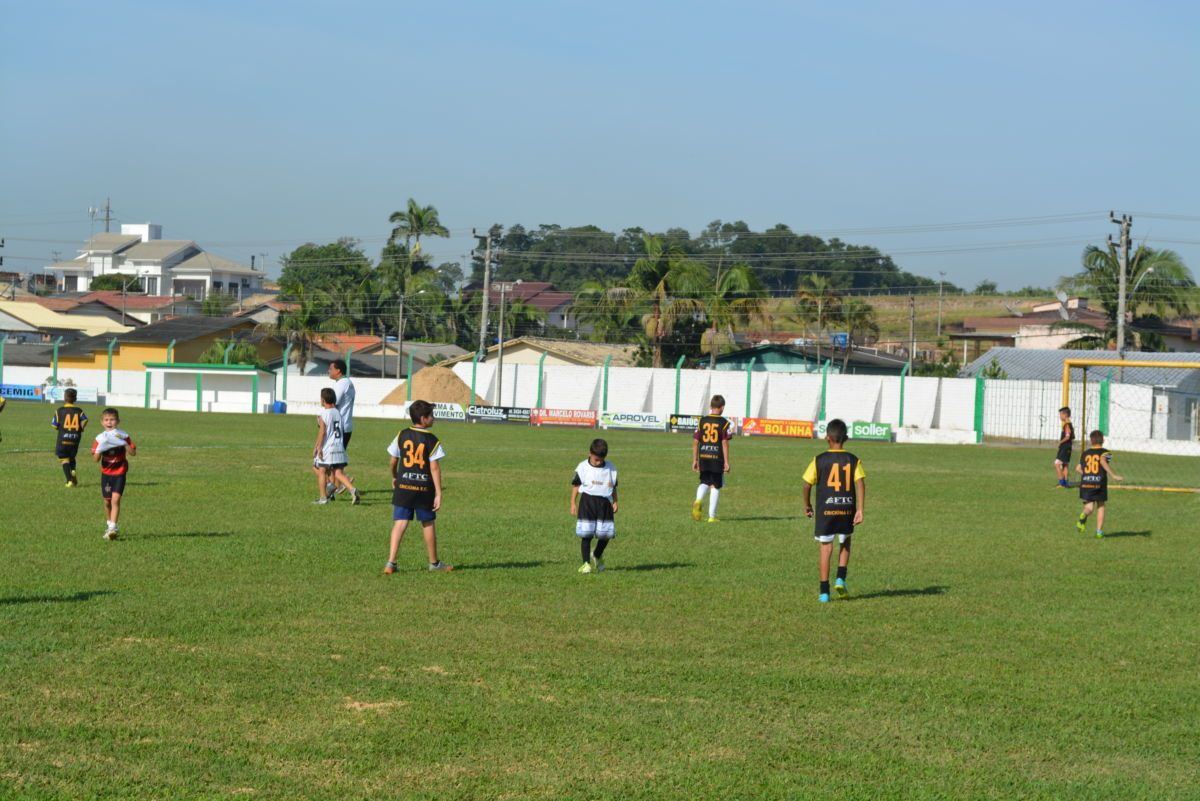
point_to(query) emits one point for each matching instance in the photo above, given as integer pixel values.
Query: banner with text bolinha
(499, 414)
(574, 418)
(448, 411)
(764, 427)
(643, 421)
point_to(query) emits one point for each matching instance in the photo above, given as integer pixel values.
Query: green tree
(994, 371)
(858, 317)
(414, 222)
(609, 310)
(737, 300)
(986, 288)
(115, 282)
(302, 326)
(815, 300)
(243, 352)
(216, 304)
(670, 285)
(1158, 284)
(321, 268)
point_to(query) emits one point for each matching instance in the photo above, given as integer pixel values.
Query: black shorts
(1093, 495)
(110, 485)
(346, 435)
(713, 478)
(66, 451)
(1064, 455)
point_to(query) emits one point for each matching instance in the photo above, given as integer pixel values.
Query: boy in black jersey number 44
(841, 497)
(69, 421)
(416, 484)
(710, 457)
(1094, 471)
(593, 504)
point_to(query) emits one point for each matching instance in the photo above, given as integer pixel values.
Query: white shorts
(828, 538)
(604, 529)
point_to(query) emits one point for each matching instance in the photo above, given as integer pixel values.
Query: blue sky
(252, 127)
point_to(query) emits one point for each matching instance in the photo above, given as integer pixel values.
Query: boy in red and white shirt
(110, 449)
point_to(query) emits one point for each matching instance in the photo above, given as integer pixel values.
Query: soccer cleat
(390, 568)
(70, 484)
(330, 489)
(1081, 524)
(340, 489)
(320, 501)
(355, 498)
(597, 565)
(440, 567)
(1099, 534)
(714, 520)
(839, 587)
(696, 514)
(110, 531)
(586, 567)
(823, 598)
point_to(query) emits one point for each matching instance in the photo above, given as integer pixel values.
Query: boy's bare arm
(725, 453)
(435, 470)
(1078, 468)
(320, 436)
(614, 500)
(860, 497)
(808, 510)
(696, 455)
(1108, 469)
(574, 499)
(395, 471)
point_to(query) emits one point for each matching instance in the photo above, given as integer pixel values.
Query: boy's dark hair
(1096, 437)
(112, 411)
(717, 402)
(599, 448)
(836, 430)
(419, 410)
(70, 395)
(328, 396)
(340, 364)
(1066, 409)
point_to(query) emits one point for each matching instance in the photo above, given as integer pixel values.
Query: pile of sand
(436, 385)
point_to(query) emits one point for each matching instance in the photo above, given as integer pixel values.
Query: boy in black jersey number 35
(416, 483)
(710, 457)
(841, 496)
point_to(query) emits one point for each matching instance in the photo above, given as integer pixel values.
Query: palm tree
(303, 326)
(610, 310)
(400, 261)
(738, 299)
(815, 300)
(670, 284)
(1158, 284)
(859, 317)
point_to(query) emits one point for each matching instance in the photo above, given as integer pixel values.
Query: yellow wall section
(134, 356)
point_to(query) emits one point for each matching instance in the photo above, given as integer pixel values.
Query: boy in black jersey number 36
(841, 496)
(416, 483)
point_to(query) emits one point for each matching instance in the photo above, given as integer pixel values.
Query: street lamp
(503, 287)
(400, 333)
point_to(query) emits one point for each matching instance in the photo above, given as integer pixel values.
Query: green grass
(243, 643)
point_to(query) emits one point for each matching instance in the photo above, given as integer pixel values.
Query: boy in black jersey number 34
(841, 496)
(416, 483)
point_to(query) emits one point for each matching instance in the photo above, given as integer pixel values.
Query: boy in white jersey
(593, 504)
(329, 452)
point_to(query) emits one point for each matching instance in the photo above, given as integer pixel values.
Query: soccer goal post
(1149, 413)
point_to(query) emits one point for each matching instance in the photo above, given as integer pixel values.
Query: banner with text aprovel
(499, 414)
(574, 418)
(765, 427)
(448, 411)
(643, 421)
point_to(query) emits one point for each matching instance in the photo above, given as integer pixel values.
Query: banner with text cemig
(764, 427)
(637, 420)
(574, 418)
(21, 391)
(448, 411)
(499, 414)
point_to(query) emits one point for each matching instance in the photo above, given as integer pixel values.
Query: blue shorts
(409, 512)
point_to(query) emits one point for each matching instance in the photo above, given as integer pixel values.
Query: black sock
(66, 466)
(585, 548)
(824, 587)
(841, 573)
(601, 544)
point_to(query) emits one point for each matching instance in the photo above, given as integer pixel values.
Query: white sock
(700, 490)
(712, 501)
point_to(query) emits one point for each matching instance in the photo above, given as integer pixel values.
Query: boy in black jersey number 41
(841, 497)
(416, 483)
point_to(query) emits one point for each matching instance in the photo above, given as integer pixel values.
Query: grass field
(241, 643)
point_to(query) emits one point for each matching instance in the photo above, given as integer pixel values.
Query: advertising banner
(82, 394)
(448, 411)
(683, 423)
(764, 427)
(575, 418)
(642, 421)
(498, 414)
(21, 391)
(877, 431)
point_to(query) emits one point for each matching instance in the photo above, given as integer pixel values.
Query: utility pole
(400, 335)
(107, 214)
(503, 287)
(912, 328)
(1126, 222)
(487, 289)
(941, 279)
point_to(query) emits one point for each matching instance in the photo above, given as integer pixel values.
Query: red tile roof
(53, 304)
(113, 299)
(339, 343)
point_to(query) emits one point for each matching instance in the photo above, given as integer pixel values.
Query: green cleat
(714, 520)
(1081, 524)
(696, 515)
(839, 587)
(586, 567)
(1099, 534)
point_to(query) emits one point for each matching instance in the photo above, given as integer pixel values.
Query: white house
(161, 266)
